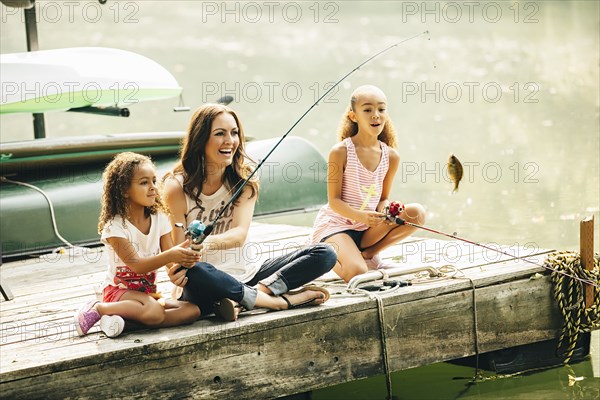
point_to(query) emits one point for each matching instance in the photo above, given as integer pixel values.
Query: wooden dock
(270, 354)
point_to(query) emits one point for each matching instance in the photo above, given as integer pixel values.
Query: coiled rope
(569, 294)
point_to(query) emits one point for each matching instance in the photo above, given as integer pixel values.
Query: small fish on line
(455, 171)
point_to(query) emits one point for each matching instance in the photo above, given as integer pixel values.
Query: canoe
(72, 78)
(69, 171)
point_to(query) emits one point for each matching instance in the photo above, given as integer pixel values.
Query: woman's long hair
(192, 164)
(117, 178)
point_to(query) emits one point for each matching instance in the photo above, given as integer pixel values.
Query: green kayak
(69, 173)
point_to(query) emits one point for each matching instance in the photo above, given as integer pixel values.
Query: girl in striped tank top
(360, 174)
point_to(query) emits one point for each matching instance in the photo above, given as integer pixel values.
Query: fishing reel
(392, 212)
(195, 231)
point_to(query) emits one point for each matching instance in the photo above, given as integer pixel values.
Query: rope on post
(570, 297)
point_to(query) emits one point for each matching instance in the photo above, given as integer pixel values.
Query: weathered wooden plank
(48, 313)
(304, 353)
(44, 286)
(225, 367)
(296, 350)
(511, 271)
(41, 299)
(39, 278)
(443, 328)
(205, 330)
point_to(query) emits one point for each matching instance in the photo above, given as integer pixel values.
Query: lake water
(510, 87)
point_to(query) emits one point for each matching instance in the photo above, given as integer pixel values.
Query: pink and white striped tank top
(361, 189)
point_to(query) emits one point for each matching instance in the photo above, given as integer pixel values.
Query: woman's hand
(177, 275)
(182, 254)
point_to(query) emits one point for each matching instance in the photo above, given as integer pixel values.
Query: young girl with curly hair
(137, 234)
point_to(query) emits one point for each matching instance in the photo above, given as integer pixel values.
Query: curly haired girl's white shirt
(145, 245)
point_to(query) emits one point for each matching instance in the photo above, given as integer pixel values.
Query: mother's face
(223, 141)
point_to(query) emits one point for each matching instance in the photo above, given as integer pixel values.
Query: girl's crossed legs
(145, 309)
(136, 307)
(351, 258)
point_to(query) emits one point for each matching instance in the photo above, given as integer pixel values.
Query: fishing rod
(401, 221)
(199, 232)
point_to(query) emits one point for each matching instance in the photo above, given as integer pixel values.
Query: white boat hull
(62, 79)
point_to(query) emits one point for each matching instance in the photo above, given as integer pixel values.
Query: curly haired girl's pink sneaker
(86, 317)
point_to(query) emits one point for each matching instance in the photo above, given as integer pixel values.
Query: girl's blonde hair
(192, 164)
(117, 179)
(349, 128)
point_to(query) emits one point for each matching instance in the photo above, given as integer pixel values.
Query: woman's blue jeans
(207, 284)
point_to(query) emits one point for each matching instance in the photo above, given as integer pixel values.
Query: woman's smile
(224, 140)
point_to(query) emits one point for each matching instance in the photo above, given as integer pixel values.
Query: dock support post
(39, 124)
(586, 251)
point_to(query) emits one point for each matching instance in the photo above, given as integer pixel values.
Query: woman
(212, 166)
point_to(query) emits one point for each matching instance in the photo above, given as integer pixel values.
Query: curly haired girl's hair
(117, 178)
(192, 164)
(349, 128)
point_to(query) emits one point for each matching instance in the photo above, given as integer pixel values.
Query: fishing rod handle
(396, 220)
(400, 221)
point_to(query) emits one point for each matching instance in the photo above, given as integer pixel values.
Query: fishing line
(400, 221)
(209, 228)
